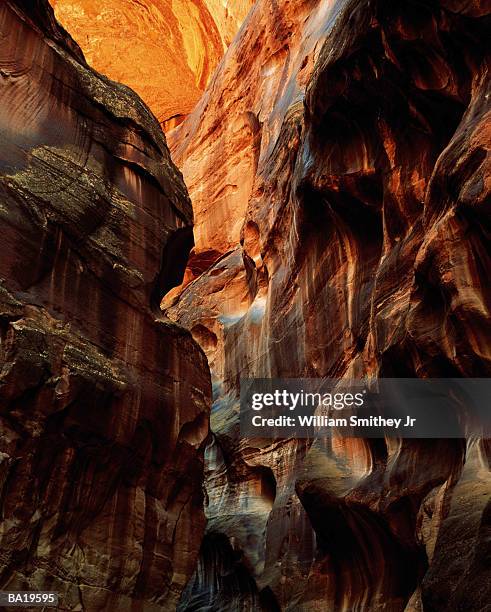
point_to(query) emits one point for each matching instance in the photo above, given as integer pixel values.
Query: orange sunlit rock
(166, 50)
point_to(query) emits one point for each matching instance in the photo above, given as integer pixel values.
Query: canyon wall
(339, 170)
(104, 403)
(166, 50)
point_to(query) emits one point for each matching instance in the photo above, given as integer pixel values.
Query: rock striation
(339, 169)
(103, 402)
(166, 50)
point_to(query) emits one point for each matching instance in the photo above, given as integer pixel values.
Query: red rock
(103, 402)
(350, 229)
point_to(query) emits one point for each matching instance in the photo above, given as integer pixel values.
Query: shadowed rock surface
(339, 170)
(166, 50)
(103, 403)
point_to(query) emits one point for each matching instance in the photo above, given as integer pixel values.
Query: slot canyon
(319, 206)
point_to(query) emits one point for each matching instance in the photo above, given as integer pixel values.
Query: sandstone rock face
(339, 170)
(165, 50)
(236, 123)
(103, 402)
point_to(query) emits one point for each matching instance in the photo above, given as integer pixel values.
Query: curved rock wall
(166, 50)
(103, 402)
(237, 121)
(339, 170)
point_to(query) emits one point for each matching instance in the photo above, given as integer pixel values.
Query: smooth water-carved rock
(166, 50)
(340, 176)
(103, 402)
(236, 123)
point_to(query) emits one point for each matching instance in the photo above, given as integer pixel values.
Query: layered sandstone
(166, 50)
(103, 402)
(339, 170)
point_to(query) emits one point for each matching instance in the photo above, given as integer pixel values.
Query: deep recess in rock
(221, 568)
(344, 232)
(104, 407)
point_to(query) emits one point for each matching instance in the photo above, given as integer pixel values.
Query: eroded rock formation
(165, 50)
(339, 170)
(103, 403)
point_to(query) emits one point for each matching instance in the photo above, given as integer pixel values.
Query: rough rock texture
(103, 402)
(339, 170)
(166, 50)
